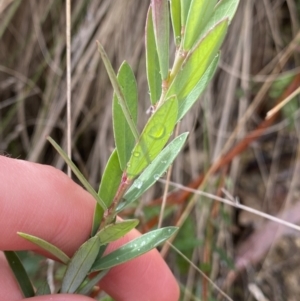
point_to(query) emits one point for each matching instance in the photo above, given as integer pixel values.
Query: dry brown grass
(258, 50)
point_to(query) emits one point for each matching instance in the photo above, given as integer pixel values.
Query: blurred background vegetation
(259, 64)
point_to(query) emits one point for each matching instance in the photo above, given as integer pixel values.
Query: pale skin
(43, 201)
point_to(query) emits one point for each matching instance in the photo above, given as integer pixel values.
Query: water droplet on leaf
(156, 177)
(136, 154)
(157, 131)
(138, 183)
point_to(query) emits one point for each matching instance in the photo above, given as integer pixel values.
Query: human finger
(42, 201)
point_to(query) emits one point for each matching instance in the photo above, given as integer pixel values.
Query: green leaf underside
(108, 187)
(80, 265)
(176, 20)
(135, 248)
(43, 289)
(19, 273)
(154, 171)
(78, 174)
(225, 9)
(185, 7)
(199, 13)
(47, 246)
(154, 137)
(197, 61)
(152, 63)
(118, 91)
(115, 231)
(160, 15)
(97, 218)
(124, 138)
(101, 251)
(86, 289)
(185, 105)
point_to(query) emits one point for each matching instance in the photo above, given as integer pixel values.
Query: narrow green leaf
(108, 188)
(78, 174)
(19, 273)
(154, 171)
(118, 91)
(115, 231)
(160, 15)
(135, 248)
(86, 289)
(43, 289)
(176, 20)
(225, 9)
(97, 218)
(197, 61)
(124, 138)
(80, 265)
(199, 13)
(152, 63)
(47, 246)
(185, 7)
(186, 103)
(154, 137)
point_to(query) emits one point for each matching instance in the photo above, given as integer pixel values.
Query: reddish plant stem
(109, 215)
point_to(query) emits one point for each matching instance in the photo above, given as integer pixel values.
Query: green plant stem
(179, 59)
